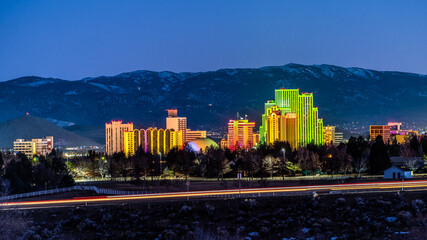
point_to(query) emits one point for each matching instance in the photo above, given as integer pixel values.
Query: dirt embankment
(370, 216)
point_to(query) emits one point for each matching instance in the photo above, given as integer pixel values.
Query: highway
(232, 193)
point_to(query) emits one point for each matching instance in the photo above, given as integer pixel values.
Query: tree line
(278, 159)
(19, 174)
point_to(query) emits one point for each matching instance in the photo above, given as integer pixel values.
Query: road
(250, 192)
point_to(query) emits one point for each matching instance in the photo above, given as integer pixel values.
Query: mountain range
(351, 98)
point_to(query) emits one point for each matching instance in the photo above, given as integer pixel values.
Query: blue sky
(73, 39)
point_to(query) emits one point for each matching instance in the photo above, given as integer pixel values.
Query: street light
(284, 159)
(160, 161)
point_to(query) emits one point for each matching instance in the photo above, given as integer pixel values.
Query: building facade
(153, 140)
(37, 146)
(114, 136)
(339, 138)
(240, 134)
(177, 123)
(291, 117)
(193, 135)
(383, 130)
(329, 135)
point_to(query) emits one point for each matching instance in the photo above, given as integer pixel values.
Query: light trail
(216, 193)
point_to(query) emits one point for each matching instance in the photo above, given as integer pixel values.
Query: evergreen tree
(379, 159)
(424, 144)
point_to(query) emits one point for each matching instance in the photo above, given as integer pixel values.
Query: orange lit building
(240, 134)
(224, 144)
(383, 130)
(329, 135)
(114, 136)
(193, 135)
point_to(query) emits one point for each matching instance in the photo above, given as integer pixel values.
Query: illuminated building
(151, 140)
(383, 130)
(329, 135)
(201, 144)
(291, 117)
(256, 139)
(177, 123)
(240, 134)
(37, 146)
(114, 135)
(224, 144)
(310, 126)
(395, 127)
(339, 136)
(398, 134)
(193, 135)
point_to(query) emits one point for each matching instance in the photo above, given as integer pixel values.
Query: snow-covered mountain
(209, 99)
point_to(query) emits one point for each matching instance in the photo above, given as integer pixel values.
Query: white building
(177, 123)
(37, 146)
(339, 136)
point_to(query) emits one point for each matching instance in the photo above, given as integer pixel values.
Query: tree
(361, 164)
(424, 144)
(308, 160)
(331, 162)
(1, 164)
(379, 159)
(247, 162)
(219, 163)
(181, 161)
(270, 165)
(345, 160)
(407, 151)
(140, 164)
(394, 148)
(412, 164)
(19, 173)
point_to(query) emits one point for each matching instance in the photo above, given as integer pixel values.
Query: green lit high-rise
(291, 117)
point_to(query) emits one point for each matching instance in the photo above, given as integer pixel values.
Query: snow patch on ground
(60, 123)
(102, 86)
(361, 72)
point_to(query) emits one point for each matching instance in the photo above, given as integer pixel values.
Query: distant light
(28, 113)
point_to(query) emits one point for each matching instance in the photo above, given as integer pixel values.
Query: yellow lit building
(256, 139)
(152, 140)
(114, 136)
(193, 135)
(329, 135)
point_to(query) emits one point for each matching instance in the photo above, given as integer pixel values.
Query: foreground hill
(28, 127)
(348, 97)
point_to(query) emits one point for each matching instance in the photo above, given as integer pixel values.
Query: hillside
(351, 98)
(28, 127)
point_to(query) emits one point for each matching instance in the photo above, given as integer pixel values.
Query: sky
(74, 39)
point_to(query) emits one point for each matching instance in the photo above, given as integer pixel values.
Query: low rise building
(37, 146)
(193, 135)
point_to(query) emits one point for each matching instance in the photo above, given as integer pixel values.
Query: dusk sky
(76, 39)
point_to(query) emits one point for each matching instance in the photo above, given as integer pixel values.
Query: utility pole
(239, 176)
